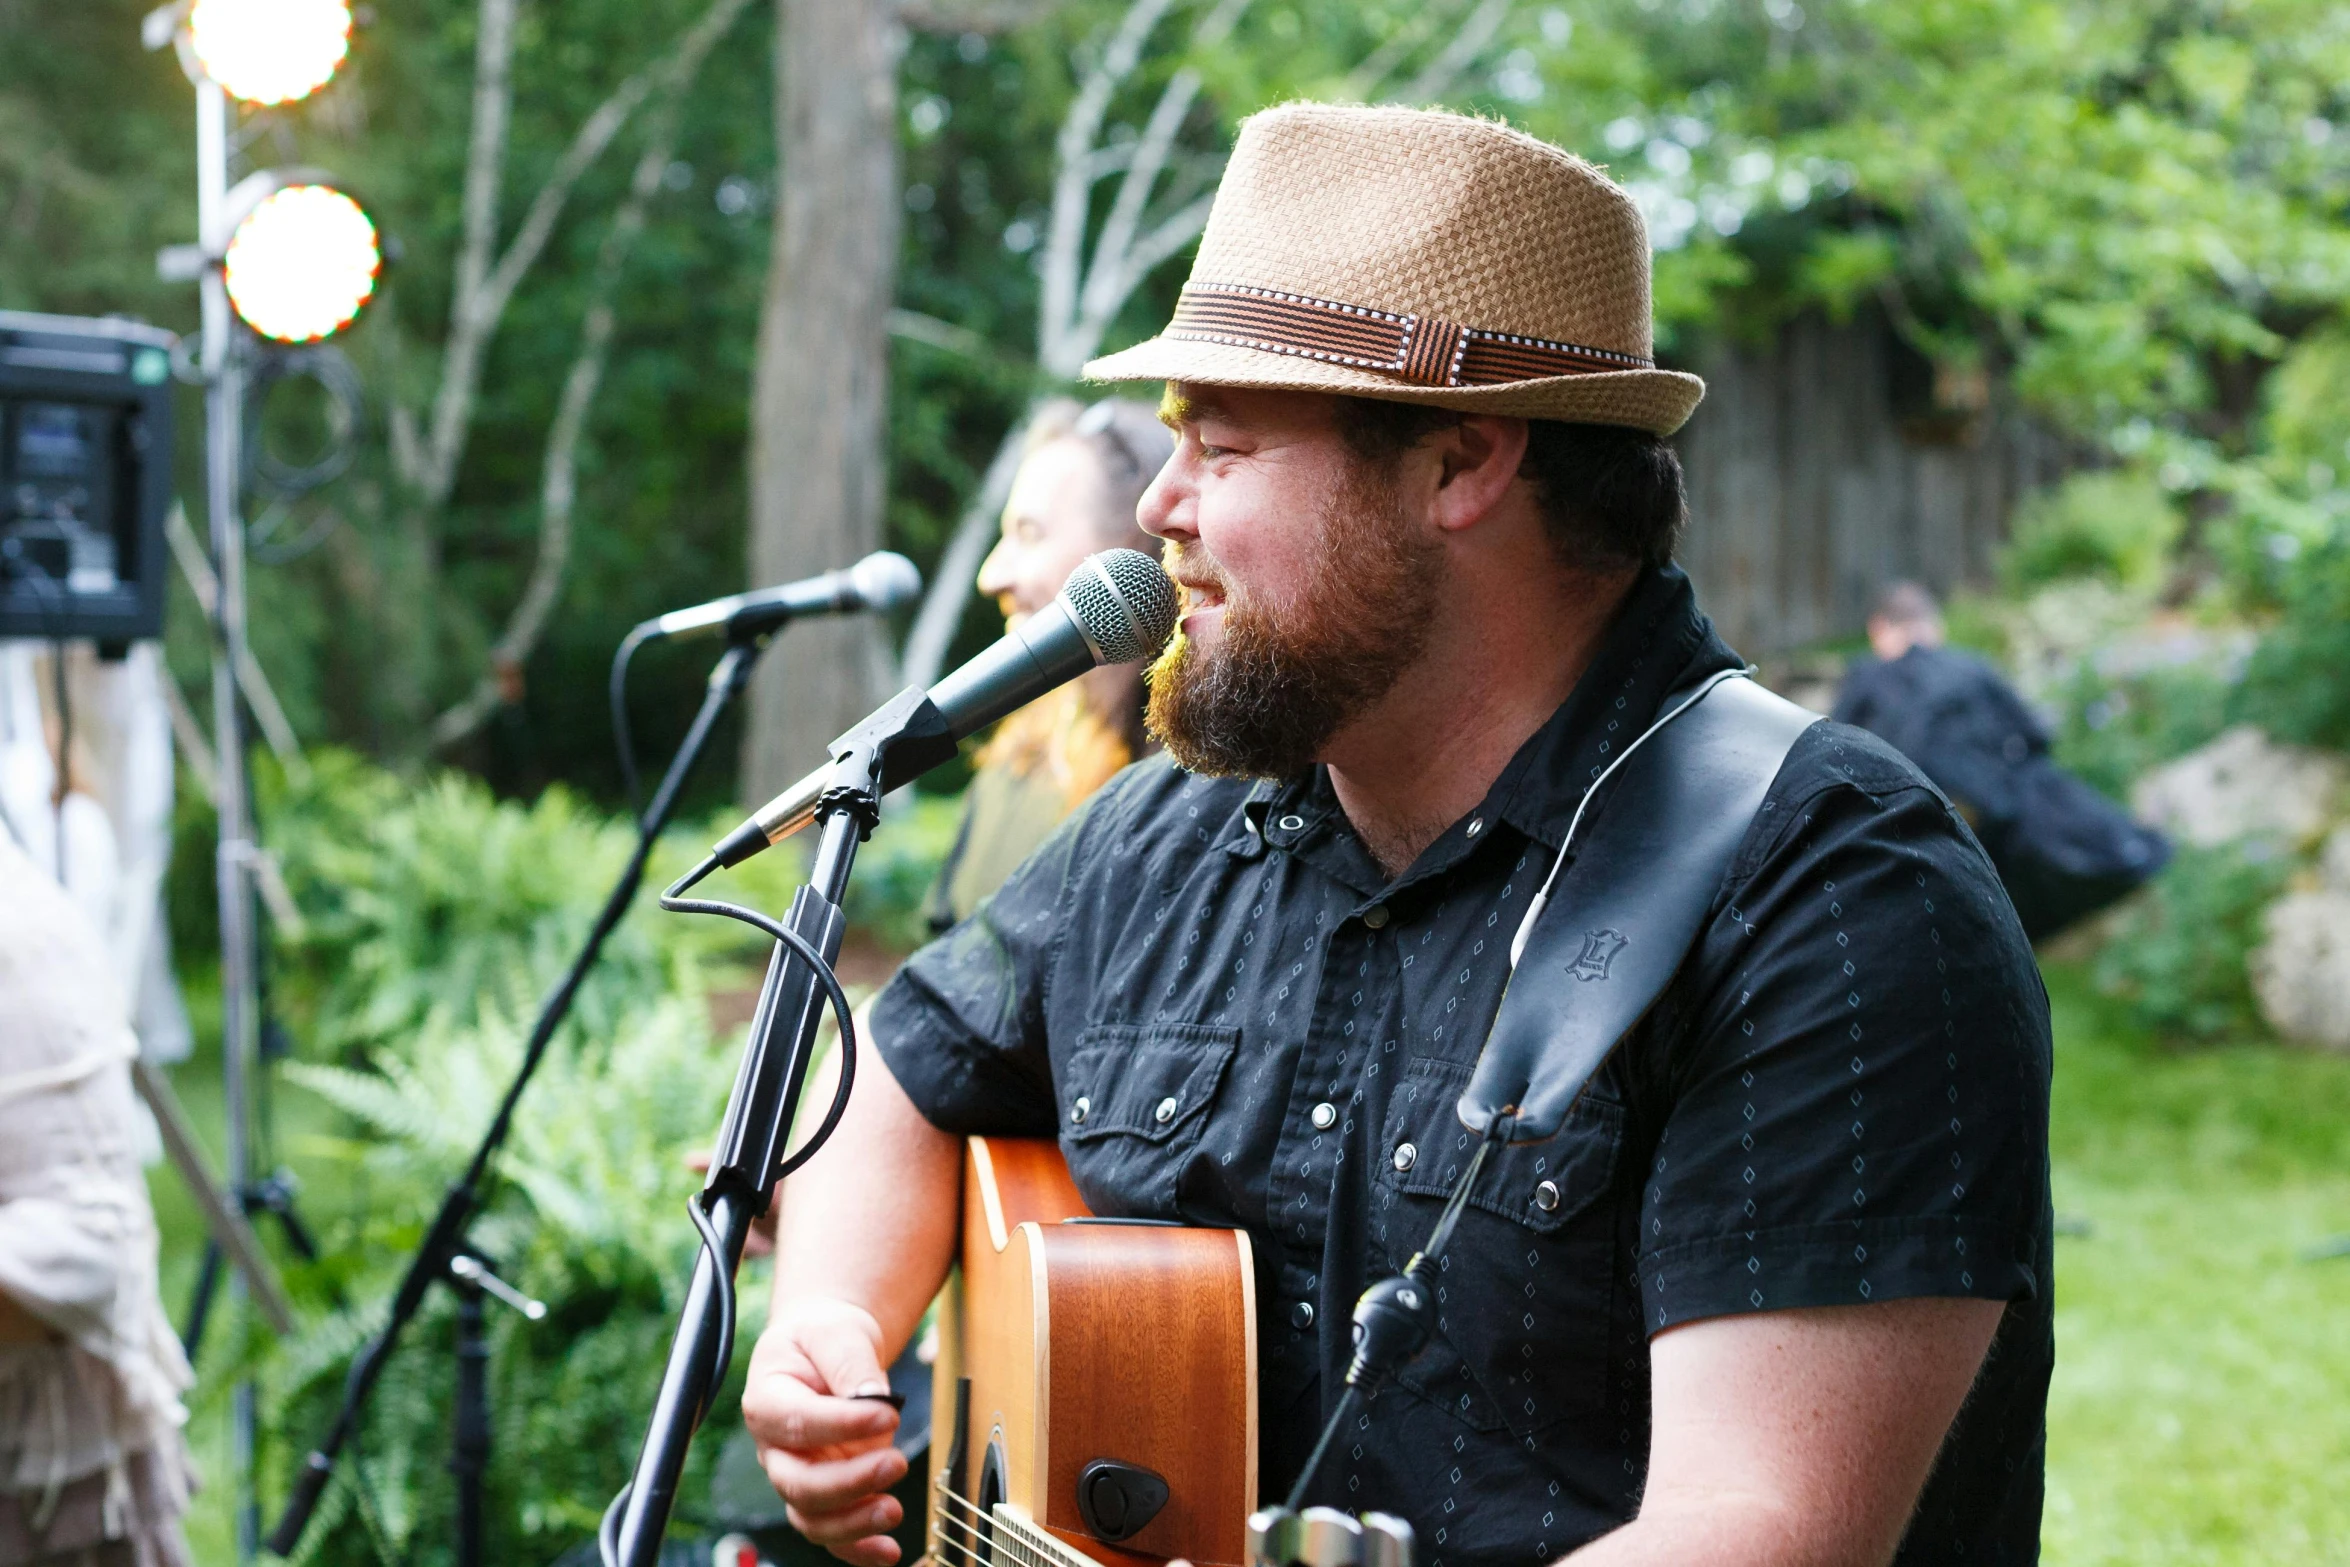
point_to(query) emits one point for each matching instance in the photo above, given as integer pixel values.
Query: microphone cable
(1405, 1316)
(697, 1206)
(623, 742)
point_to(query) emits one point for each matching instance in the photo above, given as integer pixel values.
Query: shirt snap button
(1376, 916)
(1166, 1110)
(1325, 1116)
(1079, 1111)
(1290, 823)
(1546, 1197)
(1406, 1156)
(1301, 1315)
(1476, 826)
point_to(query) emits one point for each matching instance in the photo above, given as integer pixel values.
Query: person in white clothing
(93, 1467)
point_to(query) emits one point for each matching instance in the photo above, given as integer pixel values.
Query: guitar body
(1067, 1345)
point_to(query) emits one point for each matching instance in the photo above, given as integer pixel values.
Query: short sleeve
(1858, 1108)
(962, 1022)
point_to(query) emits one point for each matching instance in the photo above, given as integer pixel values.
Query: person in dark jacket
(2062, 850)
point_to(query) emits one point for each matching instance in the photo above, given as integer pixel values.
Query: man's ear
(1479, 460)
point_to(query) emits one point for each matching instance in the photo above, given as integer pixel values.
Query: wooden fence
(1832, 462)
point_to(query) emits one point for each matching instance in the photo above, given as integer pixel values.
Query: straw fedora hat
(1423, 257)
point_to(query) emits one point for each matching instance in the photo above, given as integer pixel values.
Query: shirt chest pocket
(1134, 1102)
(1526, 1291)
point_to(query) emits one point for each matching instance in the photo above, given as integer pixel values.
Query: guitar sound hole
(991, 1494)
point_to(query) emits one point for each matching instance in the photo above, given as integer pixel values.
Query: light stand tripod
(275, 1197)
(469, 1453)
(446, 1255)
(224, 455)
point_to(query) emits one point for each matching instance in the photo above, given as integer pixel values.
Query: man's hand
(826, 1450)
(864, 1237)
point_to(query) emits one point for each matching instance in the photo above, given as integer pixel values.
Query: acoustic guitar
(1096, 1384)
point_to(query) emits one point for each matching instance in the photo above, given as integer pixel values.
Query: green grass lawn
(2201, 1412)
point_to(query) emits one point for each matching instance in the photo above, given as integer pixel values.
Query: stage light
(270, 51)
(302, 262)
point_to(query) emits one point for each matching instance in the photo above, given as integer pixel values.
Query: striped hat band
(1422, 350)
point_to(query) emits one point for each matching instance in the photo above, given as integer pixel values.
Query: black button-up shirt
(1842, 1097)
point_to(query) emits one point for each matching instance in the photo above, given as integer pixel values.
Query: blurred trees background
(2130, 209)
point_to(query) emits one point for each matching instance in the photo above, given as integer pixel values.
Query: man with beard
(1778, 1289)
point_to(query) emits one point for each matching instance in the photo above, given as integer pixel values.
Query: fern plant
(587, 1216)
(437, 918)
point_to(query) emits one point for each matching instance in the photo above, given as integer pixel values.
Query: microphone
(882, 580)
(1118, 607)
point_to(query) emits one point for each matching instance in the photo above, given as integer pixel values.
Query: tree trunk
(820, 392)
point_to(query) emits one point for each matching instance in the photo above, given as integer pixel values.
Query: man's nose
(1165, 510)
(995, 576)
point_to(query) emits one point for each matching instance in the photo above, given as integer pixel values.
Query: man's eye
(1205, 450)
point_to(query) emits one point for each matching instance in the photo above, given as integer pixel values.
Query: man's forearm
(871, 1219)
(1725, 1530)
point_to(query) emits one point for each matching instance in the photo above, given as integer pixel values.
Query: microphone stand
(446, 1255)
(747, 1164)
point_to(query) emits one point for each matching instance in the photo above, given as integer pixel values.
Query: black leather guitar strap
(1625, 911)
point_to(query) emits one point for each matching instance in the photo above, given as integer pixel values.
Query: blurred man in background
(1084, 470)
(2062, 850)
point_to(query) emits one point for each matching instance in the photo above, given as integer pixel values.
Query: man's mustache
(1194, 569)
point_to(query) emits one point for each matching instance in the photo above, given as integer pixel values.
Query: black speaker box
(85, 475)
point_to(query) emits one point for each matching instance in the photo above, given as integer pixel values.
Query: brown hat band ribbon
(1424, 350)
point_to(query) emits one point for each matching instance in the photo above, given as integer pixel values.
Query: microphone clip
(895, 744)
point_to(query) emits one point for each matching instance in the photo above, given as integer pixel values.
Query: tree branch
(1106, 281)
(475, 316)
(1123, 257)
(260, 695)
(973, 16)
(1374, 68)
(1064, 251)
(559, 470)
(1459, 53)
(950, 585)
(429, 467)
(916, 327)
(1112, 275)
(1171, 235)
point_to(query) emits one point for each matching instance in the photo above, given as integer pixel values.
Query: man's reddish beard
(1277, 686)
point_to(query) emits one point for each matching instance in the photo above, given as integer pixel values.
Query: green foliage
(439, 916)
(435, 897)
(2114, 523)
(2298, 684)
(588, 1217)
(897, 866)
(2177, 956)
(2286, 548)
(2112, 730)
(2133, 208)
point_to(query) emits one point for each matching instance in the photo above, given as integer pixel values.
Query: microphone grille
(885, 579)
(1125, 602)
